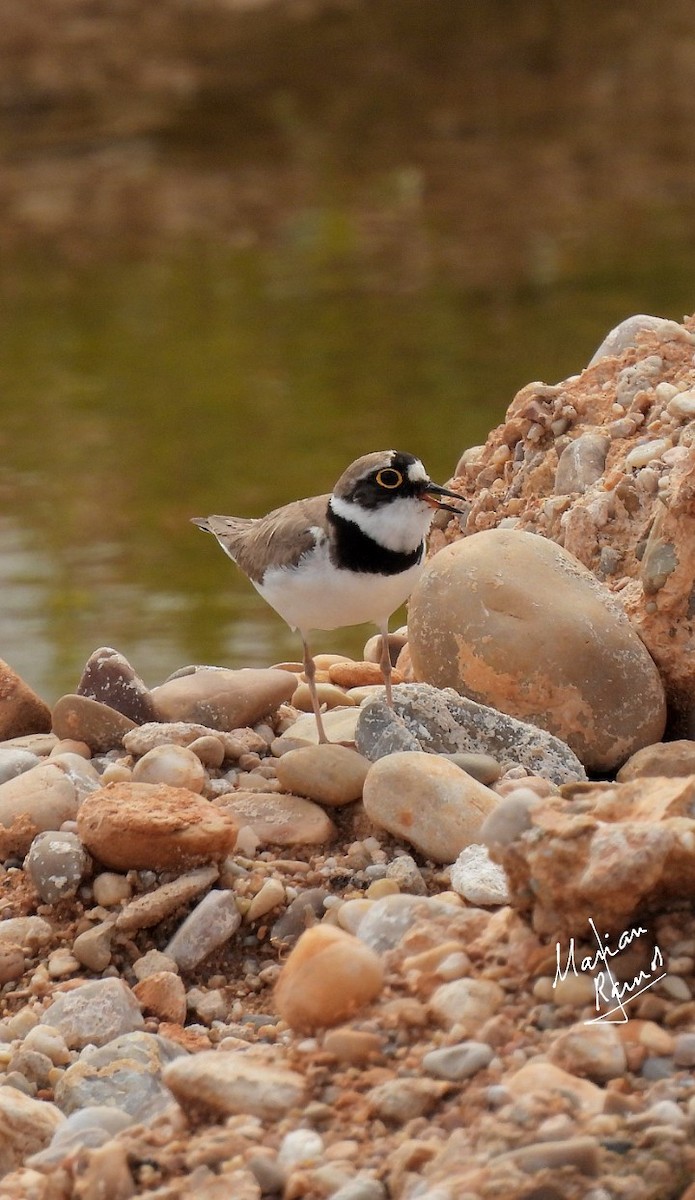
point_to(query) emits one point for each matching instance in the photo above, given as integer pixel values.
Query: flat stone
(144, 826)
(223, 699)
(329, 774)
(153, 907)
(339, 724)
(328, 976)
(227, 1084)
(185, 733)
(22, 712)
(428, 802)
(26, 1126)
(459, 1061)
(124, 1074)
(109, 678)
(211, 923)
(85, 720)
(441, 721)
(281, 820)
(513, 621)
(39, 799)
(544, 1077)
(94, 1012)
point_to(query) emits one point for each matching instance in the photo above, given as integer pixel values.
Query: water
(394, 282)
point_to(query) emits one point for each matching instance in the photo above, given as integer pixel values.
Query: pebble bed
(235, 963)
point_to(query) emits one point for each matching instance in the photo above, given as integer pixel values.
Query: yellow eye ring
(389, 478)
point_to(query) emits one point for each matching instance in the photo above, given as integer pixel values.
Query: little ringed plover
(340, 559)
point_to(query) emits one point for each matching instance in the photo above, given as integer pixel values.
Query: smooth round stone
(22, 712)
(592, 1051)
(109, 678)
(56, 863)
(328, 976)
(26, 1126)
(15, 762)
(109, 888)
(396, 641)
(281, 820)
(84, 720)
(329, 774)
(478, 879)
(428, 802)
(176, 766)
(668, 759)
(223, 699)
(359, 674)
(466, 1003)
(94, 1012)
(458, 1062)
(39, 799)
(88, 1127)
(209, 749)
(228, 1084)
(513, 621)
(144, 826)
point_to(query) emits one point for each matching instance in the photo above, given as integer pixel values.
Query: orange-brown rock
(145, 826)
(514, 622)
(163, 994)
(328, 976)
(21, 710)
(359, 674)
(609, 853)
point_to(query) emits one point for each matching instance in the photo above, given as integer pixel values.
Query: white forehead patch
(417, 473)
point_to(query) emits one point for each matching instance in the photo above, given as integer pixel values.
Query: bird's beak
(431, 495)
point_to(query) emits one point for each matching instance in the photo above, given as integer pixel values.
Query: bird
(344, 558)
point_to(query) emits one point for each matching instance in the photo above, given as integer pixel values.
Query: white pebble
(300, 1148)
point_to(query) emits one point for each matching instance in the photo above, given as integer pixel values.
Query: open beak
(431, 495)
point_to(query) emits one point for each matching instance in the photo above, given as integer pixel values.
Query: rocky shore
(452, 953)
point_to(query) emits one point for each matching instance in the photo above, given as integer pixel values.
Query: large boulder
(515, 622)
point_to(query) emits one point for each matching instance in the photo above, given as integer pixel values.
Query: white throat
(399, 525)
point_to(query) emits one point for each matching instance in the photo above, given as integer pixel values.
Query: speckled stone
(109, 678)
(94, 1012)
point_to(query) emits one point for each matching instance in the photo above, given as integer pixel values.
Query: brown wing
(277, 540)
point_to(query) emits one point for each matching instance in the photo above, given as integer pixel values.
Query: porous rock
(145, 826)
(427, 801)
(443, 722)
(26, 1126)
(514, 621)
(223, 699)
(21, 710)
(614, 851)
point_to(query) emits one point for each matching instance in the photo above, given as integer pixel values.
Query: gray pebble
(304, 910)
(208, 927)
(458, 1062)
(57, 863)
(95, 1013)
(360, 1189)
(88, 1127)
(657, 1067)
(15, 762)
(125, 1074)
(684, 1050)
(581, 463)
(389, 919)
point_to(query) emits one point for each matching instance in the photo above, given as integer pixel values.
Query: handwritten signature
(607, 990)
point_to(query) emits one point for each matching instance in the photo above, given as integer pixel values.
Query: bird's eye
(389, 478)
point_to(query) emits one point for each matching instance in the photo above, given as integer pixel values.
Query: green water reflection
(137, 394)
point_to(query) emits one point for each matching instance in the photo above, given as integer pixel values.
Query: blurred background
(243, 242)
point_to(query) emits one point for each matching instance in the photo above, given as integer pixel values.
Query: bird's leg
(385, 662)
(310, 672)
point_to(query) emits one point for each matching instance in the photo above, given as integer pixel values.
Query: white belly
(319, 596)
